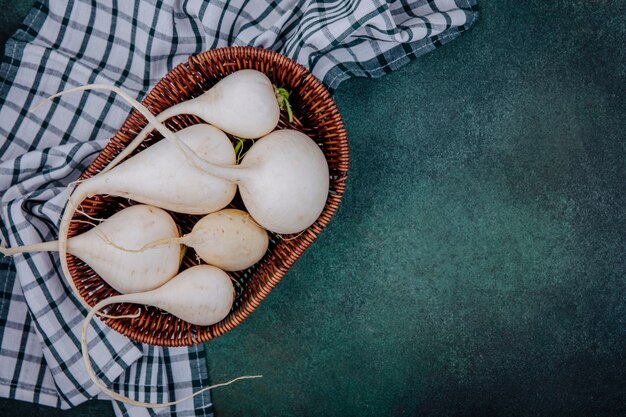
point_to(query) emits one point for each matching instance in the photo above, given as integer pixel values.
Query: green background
(476, 266)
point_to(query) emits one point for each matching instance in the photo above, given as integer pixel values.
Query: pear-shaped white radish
(243, 104)
(228, 239)
(105, 248)
(129, 229)
(161, 175)
(201, 295)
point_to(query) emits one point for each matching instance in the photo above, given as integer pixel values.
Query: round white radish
(228, 239)
(287, 181)
(110, 249)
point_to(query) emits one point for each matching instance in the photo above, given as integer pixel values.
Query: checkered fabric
(62, 44)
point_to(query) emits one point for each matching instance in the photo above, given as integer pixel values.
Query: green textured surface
(12, 14)
(476, 266)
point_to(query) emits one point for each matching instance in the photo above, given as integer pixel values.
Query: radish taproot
(228, 239)
(105, 249)
(283, 178)
(287, 181)
(201, 295)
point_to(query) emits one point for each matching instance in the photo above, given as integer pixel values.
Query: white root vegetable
(287, 181)
(283, 178)
(103, 248)
(201, 295)
(162, 176)
(244, 104)
(228, 239)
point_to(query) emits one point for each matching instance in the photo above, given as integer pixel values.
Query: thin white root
(287, 239)
(104, 237)
(84, 222)
(79, 210)
(119, 397)
(237, 284)
(160, 242)
(110, 241)
(72, 185)
(124, 316)
(51, 246)
(144, 248)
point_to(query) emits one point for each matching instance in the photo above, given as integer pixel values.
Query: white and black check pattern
(133, 44)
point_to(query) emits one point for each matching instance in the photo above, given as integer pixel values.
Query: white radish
(104, 249)
(162, 176)
(228, 239)
(244, 104)
(201, 295)
(283, 178)
(286, 181)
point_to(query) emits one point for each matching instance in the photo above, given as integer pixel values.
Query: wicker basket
(315, 113)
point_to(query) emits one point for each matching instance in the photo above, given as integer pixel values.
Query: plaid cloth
(133, 44)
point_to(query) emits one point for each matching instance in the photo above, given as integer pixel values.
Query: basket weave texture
(315, 114)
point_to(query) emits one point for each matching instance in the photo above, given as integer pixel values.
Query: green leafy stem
(283, 102)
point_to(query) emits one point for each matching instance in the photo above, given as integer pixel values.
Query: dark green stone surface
(476, 266)
(13, 12)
